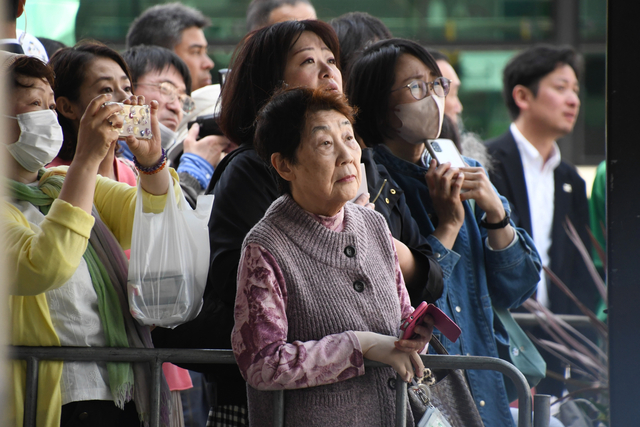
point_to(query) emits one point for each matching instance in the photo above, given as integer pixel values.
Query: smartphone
(448, 327)
(136, 120)
(445, 151)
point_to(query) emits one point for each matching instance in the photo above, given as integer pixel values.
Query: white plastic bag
(169, 261)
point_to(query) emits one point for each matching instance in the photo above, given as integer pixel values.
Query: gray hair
(259, 11)
(162, 25)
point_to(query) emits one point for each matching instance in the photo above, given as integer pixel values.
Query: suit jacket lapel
(562, 204)
(514, 172)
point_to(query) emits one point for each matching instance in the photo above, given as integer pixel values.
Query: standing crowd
(309, 275)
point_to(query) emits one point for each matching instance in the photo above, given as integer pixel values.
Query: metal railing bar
(31, 395)
(529, 320)
(401, 402)
(157, 356)
(278, 408)
(156, 376)
(541, 411)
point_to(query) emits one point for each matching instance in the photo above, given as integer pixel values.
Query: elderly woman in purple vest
(319, 284)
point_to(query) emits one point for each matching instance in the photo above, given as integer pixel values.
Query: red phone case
(441, 321)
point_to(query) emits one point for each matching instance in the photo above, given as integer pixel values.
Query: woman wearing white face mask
(64, 229)
(400, 94)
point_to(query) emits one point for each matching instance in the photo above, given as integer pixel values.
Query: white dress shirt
(538, 176)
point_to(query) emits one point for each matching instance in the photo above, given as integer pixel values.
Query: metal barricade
(156, 357)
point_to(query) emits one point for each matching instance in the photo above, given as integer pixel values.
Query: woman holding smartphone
(400, 93)
(83, 72)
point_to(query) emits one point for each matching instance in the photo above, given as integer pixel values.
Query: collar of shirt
(333, 223)
(530, 156)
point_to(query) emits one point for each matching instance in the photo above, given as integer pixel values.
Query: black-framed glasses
(170, 92)
(420, 89)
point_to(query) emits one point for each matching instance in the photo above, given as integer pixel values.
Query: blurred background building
(479, 36)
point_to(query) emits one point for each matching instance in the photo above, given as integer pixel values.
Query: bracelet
(497, 225)
(152, 169)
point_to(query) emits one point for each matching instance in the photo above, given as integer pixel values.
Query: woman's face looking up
(103, 75)
(310, 63)
(326, 174)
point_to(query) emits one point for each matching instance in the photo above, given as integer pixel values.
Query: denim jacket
(475, 277)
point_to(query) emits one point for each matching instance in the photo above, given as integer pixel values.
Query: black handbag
(448, 391)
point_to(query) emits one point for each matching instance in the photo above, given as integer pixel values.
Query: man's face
(555, 107)
(297, 12)
(192, 49)
(169, 110)
(452, 104)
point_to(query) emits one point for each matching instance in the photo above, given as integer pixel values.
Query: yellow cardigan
(44, 258)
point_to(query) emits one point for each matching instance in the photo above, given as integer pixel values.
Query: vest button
(392, 191)
(391, 382)
(358, 285)
(83, 416)
(350, 251)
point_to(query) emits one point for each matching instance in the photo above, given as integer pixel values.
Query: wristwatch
(497, 225)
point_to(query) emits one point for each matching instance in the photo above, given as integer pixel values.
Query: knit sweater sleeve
(259, 339)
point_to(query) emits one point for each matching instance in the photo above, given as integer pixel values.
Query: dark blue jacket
(475, 277)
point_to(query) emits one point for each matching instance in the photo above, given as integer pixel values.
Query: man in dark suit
(541, 92)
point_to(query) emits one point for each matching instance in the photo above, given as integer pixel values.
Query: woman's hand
(381, 348)
(444, 184)
(419, 342)
(98, 131)
(148, 152)
(212, 148)
(363, 200)
(479, 188)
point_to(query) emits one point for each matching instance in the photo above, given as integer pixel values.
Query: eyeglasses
(420, 89)
(170, 92)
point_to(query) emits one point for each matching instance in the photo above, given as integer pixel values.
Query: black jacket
(570, 201)
(244, 188)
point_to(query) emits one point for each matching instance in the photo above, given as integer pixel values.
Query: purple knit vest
(335, 282)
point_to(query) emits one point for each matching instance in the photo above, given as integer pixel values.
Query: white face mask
(167, 136)
(421, 120)
(40, 139)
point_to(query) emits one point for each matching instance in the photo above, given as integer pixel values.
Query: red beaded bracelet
(152, 169)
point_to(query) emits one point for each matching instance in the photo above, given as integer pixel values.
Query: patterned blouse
(261, 303)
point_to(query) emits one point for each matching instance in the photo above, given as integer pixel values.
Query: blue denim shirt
(475, 277)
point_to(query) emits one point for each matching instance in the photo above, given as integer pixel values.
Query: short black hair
(531, 65)
(370, 81)
(162, 25)
(356, 31)
(143, 59)
(257, 70)
(259, 11)
(282, 120)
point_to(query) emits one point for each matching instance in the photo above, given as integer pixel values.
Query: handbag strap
(437, 346)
